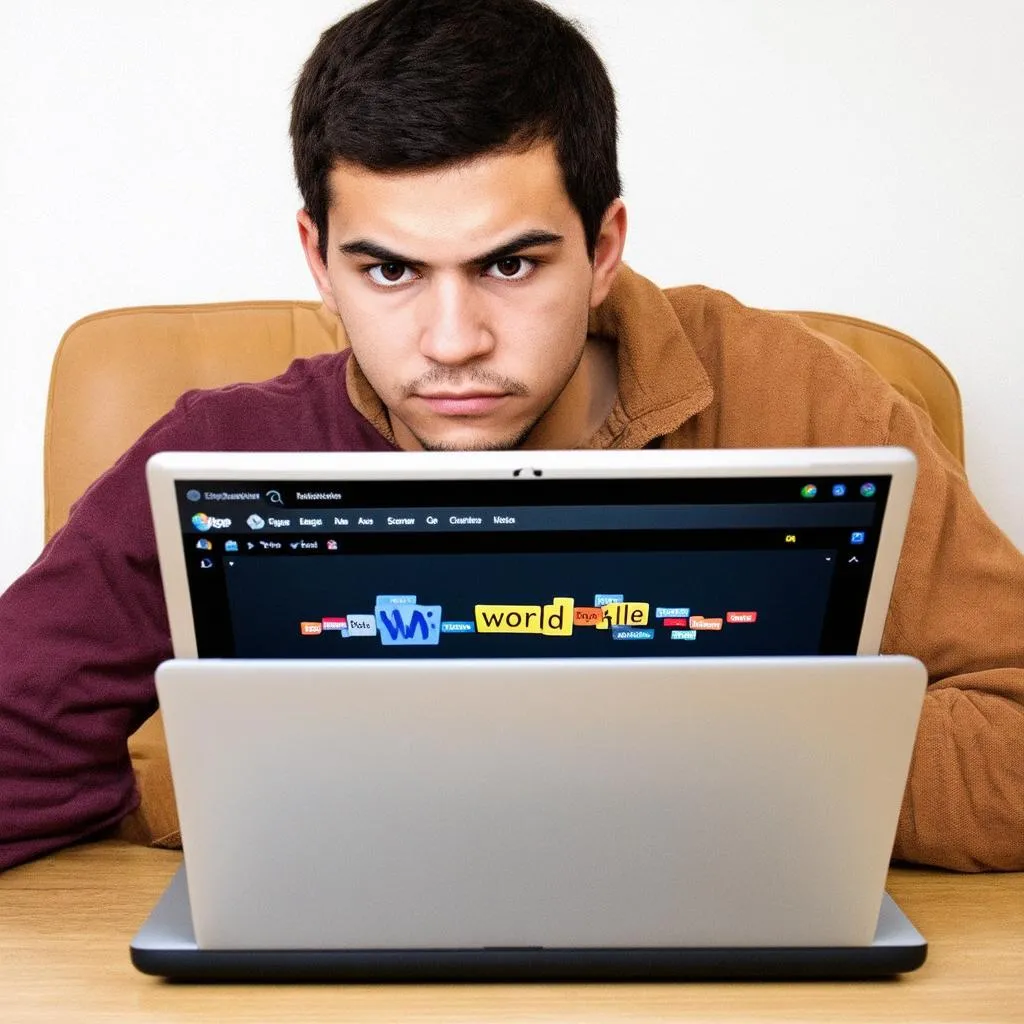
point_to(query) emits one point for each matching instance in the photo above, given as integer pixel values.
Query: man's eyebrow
(527, 240)
(364, 247)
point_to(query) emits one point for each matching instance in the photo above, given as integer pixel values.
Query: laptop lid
(536, 803)
(529, 554)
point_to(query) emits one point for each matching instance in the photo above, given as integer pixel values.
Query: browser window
(555, 568)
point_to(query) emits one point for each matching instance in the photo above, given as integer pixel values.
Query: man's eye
(511, 268)
(387, 275)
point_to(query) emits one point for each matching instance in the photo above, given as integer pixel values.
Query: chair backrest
(118, 371)
(907, 365)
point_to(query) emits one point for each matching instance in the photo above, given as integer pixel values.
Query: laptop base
(166, 946)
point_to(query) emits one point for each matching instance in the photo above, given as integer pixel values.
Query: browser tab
(193, 495)
(306, 497)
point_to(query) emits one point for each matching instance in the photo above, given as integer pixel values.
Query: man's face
(465, 292)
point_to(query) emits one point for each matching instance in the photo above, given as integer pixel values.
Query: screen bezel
(165, 469)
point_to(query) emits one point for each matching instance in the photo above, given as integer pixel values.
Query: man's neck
(584, 405)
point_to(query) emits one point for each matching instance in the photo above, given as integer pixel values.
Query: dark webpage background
(789, 590)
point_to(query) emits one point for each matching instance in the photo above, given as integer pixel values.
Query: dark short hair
(416, 84)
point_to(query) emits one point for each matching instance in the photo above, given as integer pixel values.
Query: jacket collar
(662, 382)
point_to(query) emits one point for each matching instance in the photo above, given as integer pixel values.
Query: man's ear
(611, 240)
(310, 238)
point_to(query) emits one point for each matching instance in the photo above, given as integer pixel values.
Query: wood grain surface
(66, 921)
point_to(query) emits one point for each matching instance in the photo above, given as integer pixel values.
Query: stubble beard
(517, 440)
(500, 445)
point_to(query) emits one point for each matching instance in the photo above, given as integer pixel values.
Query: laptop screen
(530, 568)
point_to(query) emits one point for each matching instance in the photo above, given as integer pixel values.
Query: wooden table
(66, 921)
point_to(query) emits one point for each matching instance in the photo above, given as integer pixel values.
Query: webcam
(527, 471)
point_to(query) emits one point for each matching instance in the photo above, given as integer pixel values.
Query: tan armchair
(118, 371)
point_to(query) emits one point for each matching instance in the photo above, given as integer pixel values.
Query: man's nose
(454, 328)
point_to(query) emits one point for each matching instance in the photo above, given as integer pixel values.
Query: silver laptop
(595, 716)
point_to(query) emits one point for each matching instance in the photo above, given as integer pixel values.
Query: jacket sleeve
(81, 634)
(958, 605)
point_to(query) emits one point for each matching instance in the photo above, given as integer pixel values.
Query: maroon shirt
(76, 677)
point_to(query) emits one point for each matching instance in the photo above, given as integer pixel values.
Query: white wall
(863, 157)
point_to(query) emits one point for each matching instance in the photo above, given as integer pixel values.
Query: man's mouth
(462, 403)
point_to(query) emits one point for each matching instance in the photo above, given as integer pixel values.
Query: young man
(457, 161)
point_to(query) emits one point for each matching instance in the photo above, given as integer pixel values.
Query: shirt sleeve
(958, 605)
(81, 633)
